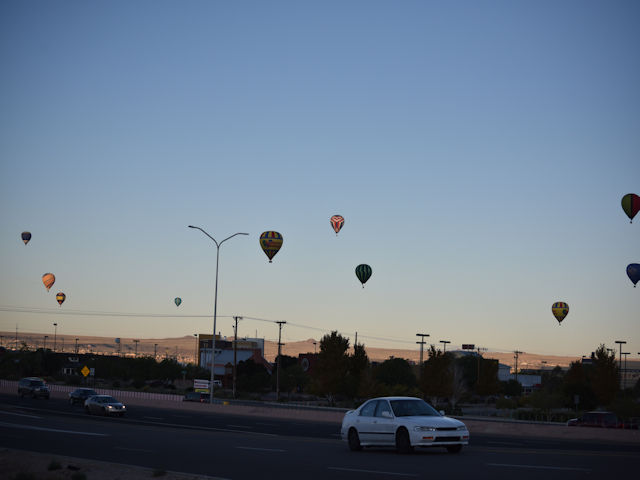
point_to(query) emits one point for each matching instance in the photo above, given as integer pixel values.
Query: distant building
(246, 348)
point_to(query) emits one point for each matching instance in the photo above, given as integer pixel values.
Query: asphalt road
(242, 447)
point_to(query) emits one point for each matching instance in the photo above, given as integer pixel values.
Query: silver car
(404, 423)
(104, 405)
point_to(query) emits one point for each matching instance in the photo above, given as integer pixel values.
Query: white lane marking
(505, 443)
(542, 467)
(154, 418)
(29, 427)
(239, 426)
(133, 449)
(19, 415)
(262, 449)
(378, 472)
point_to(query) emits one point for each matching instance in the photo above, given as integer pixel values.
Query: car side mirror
(386, 415)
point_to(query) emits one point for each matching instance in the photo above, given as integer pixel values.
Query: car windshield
(37, 383)
(87, 393)
(411, 408)
(109, 400)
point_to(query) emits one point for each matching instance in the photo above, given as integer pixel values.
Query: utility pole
(77, 345)
(235, 353)
(314, 347)
(136, 342)
(45, 343)
(480, 358)
(444, 345)
(517, 352)
(421, 343)
(620, 342)
(55, 334)
(195, 352)
(280, 323)
(155, 352)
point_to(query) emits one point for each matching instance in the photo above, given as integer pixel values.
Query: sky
(478, 152)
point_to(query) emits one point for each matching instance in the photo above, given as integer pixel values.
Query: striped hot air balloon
(178, 301)
(363, 272)
(60, 297)
(271, 242)
(337, 221)
(48, 279)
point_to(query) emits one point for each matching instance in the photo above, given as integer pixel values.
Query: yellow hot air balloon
(48, 279)
(60, 297)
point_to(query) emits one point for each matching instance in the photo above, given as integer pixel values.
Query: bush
(506, 403)
(54, 465)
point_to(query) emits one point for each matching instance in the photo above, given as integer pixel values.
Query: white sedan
(403, 422)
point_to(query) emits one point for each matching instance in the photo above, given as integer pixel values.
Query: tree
(333, 365)
(605, 375)
(577, 382)
(435, 379)
(488, 383)
(395, 371)
(252, 377)
(358, 368)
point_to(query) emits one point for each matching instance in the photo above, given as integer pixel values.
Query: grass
(159, 472)
(54, 465)
(78, 476)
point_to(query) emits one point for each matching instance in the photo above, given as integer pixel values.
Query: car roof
(396, 398)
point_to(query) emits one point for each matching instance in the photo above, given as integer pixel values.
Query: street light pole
(235, 357)
(444, 345)
(55, 334)
(215, 307)
(624, 372)
(136, 342)
(45, 343)
(77, 345)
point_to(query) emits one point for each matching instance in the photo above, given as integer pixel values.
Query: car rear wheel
(403, 443)
(354, 440)
(454, 448)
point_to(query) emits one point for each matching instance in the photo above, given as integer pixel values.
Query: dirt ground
(22, 465)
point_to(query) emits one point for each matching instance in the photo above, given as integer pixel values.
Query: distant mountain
(183, 348)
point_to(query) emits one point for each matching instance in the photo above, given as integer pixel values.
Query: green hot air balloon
(363, 272)
(178, 301)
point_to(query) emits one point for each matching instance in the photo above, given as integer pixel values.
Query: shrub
(54, 465)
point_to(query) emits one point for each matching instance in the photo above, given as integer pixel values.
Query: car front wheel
(454, 448)
(403, 443)
(354, 440)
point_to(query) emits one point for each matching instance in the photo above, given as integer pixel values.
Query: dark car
(33, 387)
(596, 419)
(104, 405)
(196, 397)
(79, 395)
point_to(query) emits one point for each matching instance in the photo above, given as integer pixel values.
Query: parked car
(104, 405)
(196, 397)
(596, 419)
(34, 387)
(402, 422)
(79, 395)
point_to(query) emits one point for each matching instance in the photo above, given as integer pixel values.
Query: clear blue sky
(477, 150)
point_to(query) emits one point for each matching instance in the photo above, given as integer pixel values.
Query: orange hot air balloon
(60, 297)
(48, 279)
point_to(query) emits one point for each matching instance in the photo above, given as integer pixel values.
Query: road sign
(201, 385)
(468, 346)
(85, 371)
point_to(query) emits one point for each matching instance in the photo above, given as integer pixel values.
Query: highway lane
(275, 447)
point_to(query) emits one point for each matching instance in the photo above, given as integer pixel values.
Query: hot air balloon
(633, 272)
(337, 221)
(631, 205)
(48, 279)
(270, 242)
(60, 297)
(178, 301)
(363, 272)
(26, 236)
(560, 310)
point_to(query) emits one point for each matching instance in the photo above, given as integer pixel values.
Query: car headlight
(110, 407)
(461, 428)
(424, 429)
